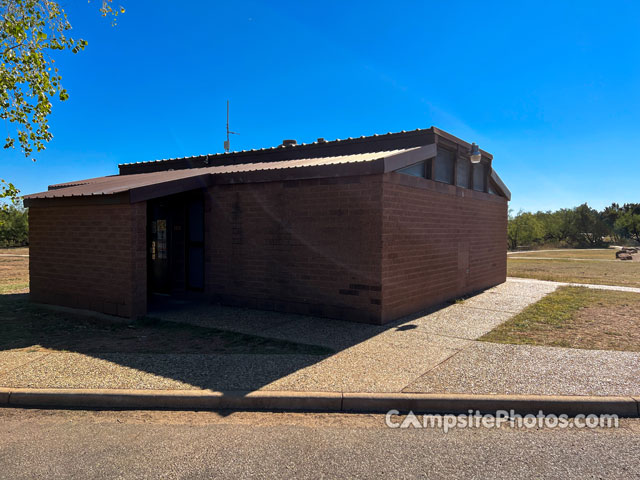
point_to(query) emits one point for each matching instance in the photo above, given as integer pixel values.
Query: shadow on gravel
(181, 344)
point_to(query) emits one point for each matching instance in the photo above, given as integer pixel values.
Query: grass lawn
(569, 266)
(27, 327)
(576, 317)
(15, 251)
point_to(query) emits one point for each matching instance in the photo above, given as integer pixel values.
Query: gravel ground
(156, 371)
(461, 321)
(479, 314)
(243, 320)
(469, 319)
(12, 360)
(486, 368)
(335, 334)
(370, 368)
(431, 351)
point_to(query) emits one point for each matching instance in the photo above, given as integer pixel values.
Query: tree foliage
(8, 190)
(31, 31)
(581, 226)
(14, 229)
(589, 225)
(628, 225)
(523, 229)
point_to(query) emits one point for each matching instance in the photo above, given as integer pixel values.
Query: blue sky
(552, 89)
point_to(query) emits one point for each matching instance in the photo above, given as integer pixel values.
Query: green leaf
(31, 32)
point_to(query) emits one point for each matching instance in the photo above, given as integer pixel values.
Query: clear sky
(551, 88)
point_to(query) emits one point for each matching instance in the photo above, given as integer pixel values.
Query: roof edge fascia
(413, 156)
(500, 184)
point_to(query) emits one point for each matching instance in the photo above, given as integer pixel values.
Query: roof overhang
(171, 187)
(500, 184)
(147, 186)
(410, 157)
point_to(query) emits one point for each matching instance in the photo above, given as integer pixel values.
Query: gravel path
(566, 259)
(486, 368)
(556, 250)
(154, 371)
(432, 351)
(532, 281)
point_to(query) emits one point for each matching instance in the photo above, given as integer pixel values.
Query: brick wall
(439, 242)
(90, 257)
(369, 248)
(307, 246)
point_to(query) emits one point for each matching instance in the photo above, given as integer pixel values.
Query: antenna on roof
(227, 144)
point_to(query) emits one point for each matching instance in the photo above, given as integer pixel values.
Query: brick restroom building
(366, 229)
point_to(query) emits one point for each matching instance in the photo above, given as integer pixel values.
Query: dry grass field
(576, 317)
(14, 270)
(579, 266)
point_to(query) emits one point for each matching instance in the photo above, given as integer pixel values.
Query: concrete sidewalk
(433, 352)
(533, 281)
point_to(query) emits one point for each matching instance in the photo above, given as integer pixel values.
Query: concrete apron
(316, 401)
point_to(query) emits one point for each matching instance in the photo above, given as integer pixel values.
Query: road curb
(4, 397)
(172, 399)
(315, 401)
(462, 403)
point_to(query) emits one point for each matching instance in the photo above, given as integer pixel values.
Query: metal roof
(348, 157)
(144, 186)
(349, 146)
(323, 142)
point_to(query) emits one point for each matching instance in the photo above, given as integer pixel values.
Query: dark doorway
(195, 244)
(158, 261)
(176, 244)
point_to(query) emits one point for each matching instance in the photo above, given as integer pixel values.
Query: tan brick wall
(307, 246)
(90, 257)
(439, 242)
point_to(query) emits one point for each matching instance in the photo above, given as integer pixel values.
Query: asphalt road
(88, 445)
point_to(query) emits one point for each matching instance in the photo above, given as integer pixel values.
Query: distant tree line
(14, 227)
(581, 226)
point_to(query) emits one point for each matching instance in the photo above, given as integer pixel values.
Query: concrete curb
(170, 399)
(315, 401)
(462, 403)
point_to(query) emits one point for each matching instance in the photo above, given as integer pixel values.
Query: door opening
(175, 234)
(195, 244)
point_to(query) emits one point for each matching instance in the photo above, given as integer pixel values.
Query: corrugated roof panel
(123, 183)
(78, 182)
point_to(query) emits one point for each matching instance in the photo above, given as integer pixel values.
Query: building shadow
(304, 341)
